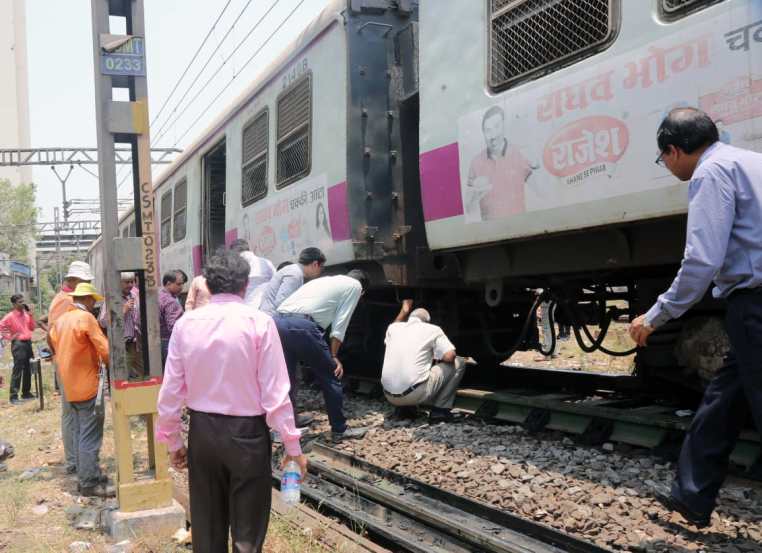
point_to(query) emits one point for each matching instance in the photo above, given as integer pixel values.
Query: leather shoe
(672, 504)
(348, 434)
(99, 490)
(304, 420)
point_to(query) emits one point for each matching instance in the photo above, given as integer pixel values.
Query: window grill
(532, 37)
(179, 217)
(293, 125)
(166, 218)
(254, 158)
(678, 8)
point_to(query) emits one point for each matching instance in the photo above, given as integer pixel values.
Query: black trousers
(302, 340)
(230, 482)
(732, 393)
(21, 377)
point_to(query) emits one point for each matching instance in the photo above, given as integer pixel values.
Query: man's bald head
(421, 314)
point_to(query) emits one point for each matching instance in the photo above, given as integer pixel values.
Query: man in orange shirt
(79, 345)
(79, 271)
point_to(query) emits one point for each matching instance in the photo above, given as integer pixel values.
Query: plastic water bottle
(290, 484)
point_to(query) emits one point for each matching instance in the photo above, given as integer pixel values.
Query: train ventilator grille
(254, 158)
(674, 7)
(294, 121)
(531, 37)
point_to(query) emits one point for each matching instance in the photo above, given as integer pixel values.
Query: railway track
(413, 516)
(631, 421)
(593, 419)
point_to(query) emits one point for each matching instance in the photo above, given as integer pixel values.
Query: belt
(747, 291)
(301, 316)
(410, 390)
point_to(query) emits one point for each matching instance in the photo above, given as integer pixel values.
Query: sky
(60, 55)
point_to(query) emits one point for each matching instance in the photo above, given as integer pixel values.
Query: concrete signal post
(145, 504)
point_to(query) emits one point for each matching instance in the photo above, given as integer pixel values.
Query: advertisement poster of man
(497, 174)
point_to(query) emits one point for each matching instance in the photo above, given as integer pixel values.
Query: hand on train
(179, 458)
(640, 330)
(300, 460)
(339, 370)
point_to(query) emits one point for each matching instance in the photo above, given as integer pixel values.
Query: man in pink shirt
(496, 177)
(225, 362)
(17, 326)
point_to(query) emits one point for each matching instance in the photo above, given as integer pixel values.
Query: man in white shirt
(261, 270)
(420, 364)
(302, 320)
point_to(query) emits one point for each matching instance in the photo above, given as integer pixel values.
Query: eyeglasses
(660, 160)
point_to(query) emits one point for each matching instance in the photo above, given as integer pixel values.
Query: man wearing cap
(420, 365)
(17, 327)
(79, 346)
(79, 271)
(131, 330)
(290, 278)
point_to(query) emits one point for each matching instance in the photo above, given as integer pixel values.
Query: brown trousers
(230, 482)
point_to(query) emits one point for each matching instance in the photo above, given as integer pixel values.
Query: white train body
(390, 98)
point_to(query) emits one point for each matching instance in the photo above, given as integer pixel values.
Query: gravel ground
(603, 496)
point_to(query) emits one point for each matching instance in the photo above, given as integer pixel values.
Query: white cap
(80, 270)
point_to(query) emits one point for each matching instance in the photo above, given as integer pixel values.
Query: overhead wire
(201, 71)
(190, 63)
(246, 63)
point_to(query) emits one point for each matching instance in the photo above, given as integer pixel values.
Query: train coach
(470, 152)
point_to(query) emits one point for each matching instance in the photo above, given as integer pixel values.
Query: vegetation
(17, 219)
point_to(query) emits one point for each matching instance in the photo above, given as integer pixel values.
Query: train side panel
(581, 139)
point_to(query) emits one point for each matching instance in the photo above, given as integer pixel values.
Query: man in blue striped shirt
(724, 246)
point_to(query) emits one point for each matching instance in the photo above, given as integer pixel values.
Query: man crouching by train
(226, 364)
(724, 245)
(420, 365)
(302, 320)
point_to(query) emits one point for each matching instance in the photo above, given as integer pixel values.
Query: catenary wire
(201, 71)
(248, 61)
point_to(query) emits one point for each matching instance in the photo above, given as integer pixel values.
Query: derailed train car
(467, 153)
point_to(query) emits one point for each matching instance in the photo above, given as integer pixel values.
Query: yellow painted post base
(130, 399)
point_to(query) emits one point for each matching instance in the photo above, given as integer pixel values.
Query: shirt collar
(708, 152)
(226, 298)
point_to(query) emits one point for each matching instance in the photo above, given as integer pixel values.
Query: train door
(213, 200)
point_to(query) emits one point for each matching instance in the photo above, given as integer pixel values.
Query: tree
(18, 219)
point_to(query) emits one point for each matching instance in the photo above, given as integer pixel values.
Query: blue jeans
(88, 435)
(734, 391)
(303, 341)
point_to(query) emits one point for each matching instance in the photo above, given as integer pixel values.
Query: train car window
(179, 215)
(254, 158)
(676, 9)
(294, 122)
(529, 38)
(133, 231)
(126, 232)
(166, 218)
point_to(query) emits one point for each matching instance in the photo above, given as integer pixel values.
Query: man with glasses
(169, 307)
(17, 327)
(290, 278)
(724, 246)
(302, 321)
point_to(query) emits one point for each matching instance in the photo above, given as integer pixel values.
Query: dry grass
(570, 356)
(36, 437)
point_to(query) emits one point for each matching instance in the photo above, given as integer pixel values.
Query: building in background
(14, 86)
(15, 277)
